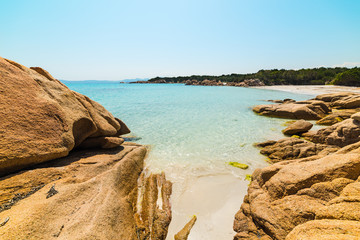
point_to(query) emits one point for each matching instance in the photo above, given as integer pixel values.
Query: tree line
(311, 76)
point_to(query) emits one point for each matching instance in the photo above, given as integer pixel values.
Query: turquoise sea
(193, 132)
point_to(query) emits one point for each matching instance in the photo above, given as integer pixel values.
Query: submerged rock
(41, 119)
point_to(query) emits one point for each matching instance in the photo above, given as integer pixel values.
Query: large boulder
(298, 127)
(90, 194)
(41, 119)
(299, 110)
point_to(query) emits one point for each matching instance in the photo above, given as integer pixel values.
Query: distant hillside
(311, 76)
(104, 81)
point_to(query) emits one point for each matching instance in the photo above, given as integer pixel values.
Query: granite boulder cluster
(312, 189)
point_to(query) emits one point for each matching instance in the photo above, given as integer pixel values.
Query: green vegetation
(238, 165)
(350, 77)
(270, 77)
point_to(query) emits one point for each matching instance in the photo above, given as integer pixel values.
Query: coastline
(209, 196)
(310, 89)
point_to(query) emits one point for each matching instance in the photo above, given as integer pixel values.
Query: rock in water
(298, 110)
(41, 119)
(298, 127)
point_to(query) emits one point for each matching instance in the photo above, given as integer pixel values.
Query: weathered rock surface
(184, 233)
(315, 109)
(306, 111)
(298, 127)
(356, 116)
(337, 115)
(293, 148)
(41, 119)
(313, 189)
(99, 197)
(316, 190)
(340, 134)
(250, 83)
(205, 82)
(326, 229)
(341, 100)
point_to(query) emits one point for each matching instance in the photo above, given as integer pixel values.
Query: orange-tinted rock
(297, 128)
(98, 197)
(41, 119)
(290, 193)
(293, 148)
(306, 111)
(340, 134)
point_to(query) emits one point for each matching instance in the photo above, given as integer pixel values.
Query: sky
(115, 40)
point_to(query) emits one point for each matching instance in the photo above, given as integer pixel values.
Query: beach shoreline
(310, 89)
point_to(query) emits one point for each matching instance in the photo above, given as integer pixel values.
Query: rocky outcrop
(205, 82)
(41, 119)
(67, 192)
(101, 194)
(293, 148)
(341, 100)
(297, 128)
(337, 115)
(312, 189)
(250, 83)
(298, 110)
(290, 193)
(340, 134)
(328, 109)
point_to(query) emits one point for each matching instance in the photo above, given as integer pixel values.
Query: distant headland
(311, 76)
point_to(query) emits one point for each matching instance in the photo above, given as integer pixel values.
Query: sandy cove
(67, 173)
(311, 89)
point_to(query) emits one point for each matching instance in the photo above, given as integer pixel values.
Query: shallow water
(194, 131)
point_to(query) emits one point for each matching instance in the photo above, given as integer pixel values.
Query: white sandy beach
(311, 89)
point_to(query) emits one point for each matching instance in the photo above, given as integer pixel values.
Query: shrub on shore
(350, 77)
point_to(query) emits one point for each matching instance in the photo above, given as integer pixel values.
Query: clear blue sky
(113, 40)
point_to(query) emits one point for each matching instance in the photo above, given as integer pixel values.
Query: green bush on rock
(350, 77)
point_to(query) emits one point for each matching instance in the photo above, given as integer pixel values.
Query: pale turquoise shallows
(193, 132)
